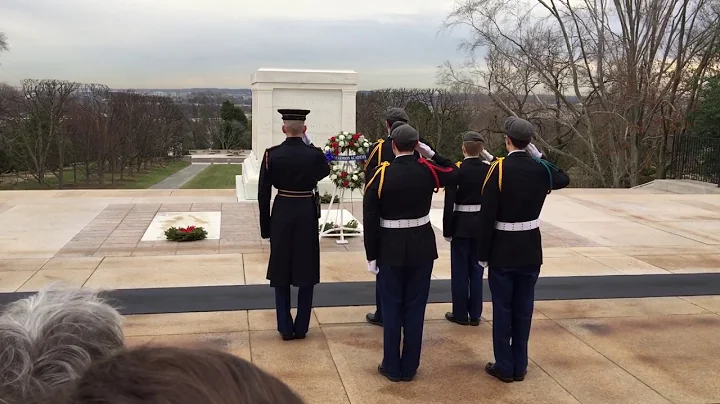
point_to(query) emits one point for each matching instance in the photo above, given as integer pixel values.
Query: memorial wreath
(342, 150)
(190, 233)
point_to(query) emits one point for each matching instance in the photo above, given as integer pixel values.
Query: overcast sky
(219, 43)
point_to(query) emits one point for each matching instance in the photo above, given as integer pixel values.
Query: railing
(697, 158)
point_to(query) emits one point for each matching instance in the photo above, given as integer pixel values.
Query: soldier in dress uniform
(461, 221)
(381, 151)
(509, 241)
(400, 244)
(294, 169)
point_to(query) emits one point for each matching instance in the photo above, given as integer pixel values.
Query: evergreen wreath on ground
(190, 233)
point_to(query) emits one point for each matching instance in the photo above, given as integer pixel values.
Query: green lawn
(216, 176)
(141, 180)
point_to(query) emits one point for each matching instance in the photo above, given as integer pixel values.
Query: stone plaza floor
(639, 350)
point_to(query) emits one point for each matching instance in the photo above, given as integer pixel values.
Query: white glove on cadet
(533, 151)
(486, 154)
(425, 150)
(483, 264)
(372, 267)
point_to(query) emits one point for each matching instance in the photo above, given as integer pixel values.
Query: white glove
(533, 151)
(448, 239)
(306, 138)
(425, 150)
(483, 264)
(487, 155)
(372, 267)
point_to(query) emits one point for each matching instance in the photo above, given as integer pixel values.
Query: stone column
(349, 98)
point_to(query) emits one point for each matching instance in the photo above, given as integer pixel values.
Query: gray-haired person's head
(48, 340)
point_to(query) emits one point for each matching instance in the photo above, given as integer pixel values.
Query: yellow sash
(497, 163)
(381, 171)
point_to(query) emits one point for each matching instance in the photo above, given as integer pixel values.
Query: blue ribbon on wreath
(329, 156)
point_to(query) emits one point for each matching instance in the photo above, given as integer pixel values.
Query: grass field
(141, 180)
(216, 176)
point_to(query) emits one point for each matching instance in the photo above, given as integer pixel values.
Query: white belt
(467, 208)
(518, 226)
(404, 223)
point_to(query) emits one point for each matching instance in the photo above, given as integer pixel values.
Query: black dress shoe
(492, 371)
(287, 337)
(475, 322)
(382, 371)
(408, 378)
(300, 336)
(451, 318)
(520, 378)
(372, 319)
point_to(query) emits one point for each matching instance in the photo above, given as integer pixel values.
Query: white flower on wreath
(327, 148)
(341, 137)
(333, 177)
(361, 174)
(354, 177)
(366, 144)
(360, 150)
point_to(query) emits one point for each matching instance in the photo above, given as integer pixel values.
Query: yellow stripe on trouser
(381, 171)
(497, 164)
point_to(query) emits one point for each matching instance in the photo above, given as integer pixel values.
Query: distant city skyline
(219, 43)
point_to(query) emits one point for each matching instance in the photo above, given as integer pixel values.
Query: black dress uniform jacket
(467, 191)
(525, 184)
(293, 225)
(385, 153)
(406, 193)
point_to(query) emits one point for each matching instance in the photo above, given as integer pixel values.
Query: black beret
(519, 129)
(396, 114)
(471, 136)
(405, 133)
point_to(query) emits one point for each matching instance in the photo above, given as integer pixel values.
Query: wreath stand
(341, 230)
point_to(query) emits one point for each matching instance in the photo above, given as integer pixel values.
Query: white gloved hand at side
(487, 155)
(483, 264)
(533, 151)
(372, 267)
(307, 139)
(425, 150)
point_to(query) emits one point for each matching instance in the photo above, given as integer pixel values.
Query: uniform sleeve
(448, 210)
(370, 163)
(488, 216)
(448, 175)
(559, 178)
(442, 161)
(264, 193)
(323, 167)
(371, 219)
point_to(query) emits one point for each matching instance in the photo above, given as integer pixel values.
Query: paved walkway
(181, 177)
(654, 350)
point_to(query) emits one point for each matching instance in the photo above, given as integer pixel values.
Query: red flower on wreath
(334, 145)
(343, 174)
(332, 139)
(188, 229)
(355, 137)
(351, 144)
(346, 183)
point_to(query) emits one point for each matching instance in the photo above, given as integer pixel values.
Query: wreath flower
(346, 153)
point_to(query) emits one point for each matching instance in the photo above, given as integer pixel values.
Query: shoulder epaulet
(381, 171)
(458, 164)
(377, 149)
(497, 163)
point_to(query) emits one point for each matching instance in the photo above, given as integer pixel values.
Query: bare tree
(614, 85)
(4, 47)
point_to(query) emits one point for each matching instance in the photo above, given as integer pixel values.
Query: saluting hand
(487, 155)
(533, 151)
(424, 150)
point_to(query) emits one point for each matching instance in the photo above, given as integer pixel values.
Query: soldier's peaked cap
(396, 114)
(405, 134)
(294, 114)
(471, 136)
(519, 129)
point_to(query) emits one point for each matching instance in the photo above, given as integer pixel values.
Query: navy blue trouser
(378, 301)
(304, 309)
(404, 294)
(513, 298)
(465, 279)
